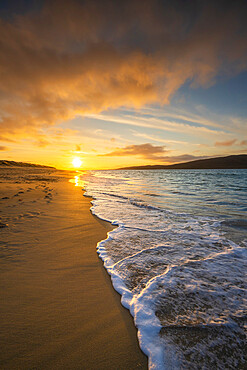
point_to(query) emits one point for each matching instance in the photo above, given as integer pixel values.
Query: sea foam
(178, 260)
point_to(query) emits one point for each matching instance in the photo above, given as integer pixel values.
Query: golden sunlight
(77, 162)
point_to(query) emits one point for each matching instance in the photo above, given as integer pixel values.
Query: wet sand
(58, 307)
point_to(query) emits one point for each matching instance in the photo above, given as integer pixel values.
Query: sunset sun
(77, 162)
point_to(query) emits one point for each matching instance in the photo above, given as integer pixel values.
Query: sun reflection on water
(76, 180)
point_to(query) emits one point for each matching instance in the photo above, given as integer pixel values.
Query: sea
(177, 256)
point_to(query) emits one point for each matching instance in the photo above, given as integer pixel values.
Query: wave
(180, 274)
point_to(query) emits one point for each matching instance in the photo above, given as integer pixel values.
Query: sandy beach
(58, 307)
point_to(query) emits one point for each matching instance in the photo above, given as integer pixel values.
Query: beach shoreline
(59, 307)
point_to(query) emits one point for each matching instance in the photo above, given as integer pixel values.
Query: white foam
(153, 252)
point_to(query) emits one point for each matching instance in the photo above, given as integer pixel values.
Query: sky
(122, 83)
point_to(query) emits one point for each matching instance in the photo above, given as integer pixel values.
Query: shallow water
(178, 258)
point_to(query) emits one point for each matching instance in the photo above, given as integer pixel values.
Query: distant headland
(229, 162)
(4, 163)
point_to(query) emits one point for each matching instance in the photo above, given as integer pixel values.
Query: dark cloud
(68, 58)
(152, 152)
(3, 148)
(147, 151)
(225, 143)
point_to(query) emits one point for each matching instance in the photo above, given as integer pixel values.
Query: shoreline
(60, 309)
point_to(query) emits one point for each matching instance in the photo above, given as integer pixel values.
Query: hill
(4, 163)
(229, 162)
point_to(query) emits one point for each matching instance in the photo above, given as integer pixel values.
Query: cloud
(225, 143)
(146, 151)
(159, 123)
(183, 158)
(156, 138)
(70, 58)
(244, 142)
(6, 139)
(151, 152)
(42, 143)
(3, 148)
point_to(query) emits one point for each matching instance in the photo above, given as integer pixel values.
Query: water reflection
(76, 180)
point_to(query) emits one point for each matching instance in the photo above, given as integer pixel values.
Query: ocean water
(178, 259)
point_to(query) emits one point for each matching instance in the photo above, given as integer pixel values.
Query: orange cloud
(42, 143)
(3, 148)
(6, 139)
(244, 142)
(183, 158)
(225, 143)
(72, 58)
